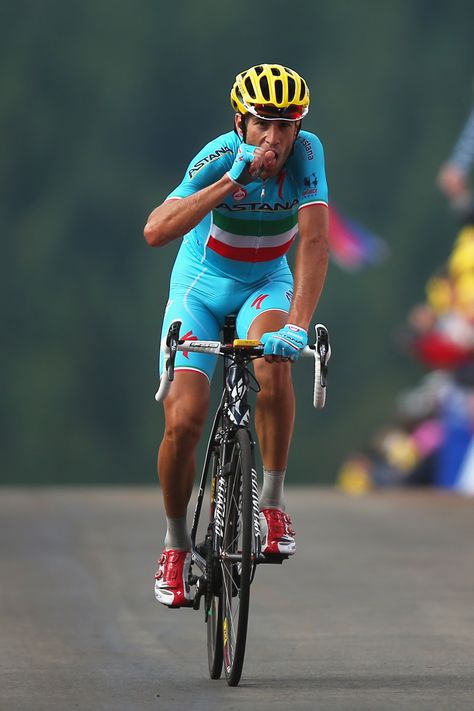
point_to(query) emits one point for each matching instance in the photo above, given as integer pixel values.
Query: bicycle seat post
(228, 335)
(229, 328)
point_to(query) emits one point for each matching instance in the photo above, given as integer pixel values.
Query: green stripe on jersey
(263, 227)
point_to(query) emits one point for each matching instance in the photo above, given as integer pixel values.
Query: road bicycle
(227, 558)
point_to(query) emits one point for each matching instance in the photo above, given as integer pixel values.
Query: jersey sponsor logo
(208, 159)
(239, 194)
(258, 301)
(260, 206)
(311, 181)
(308, 148)
(311, 185)
(189, 336)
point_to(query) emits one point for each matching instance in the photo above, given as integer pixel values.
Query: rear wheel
(236, 558)
(214, 638)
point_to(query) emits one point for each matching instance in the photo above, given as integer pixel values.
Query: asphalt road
(375, 611)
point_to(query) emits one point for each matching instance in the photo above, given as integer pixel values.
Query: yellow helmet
(271, 92)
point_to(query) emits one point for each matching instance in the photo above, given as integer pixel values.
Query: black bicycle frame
(233, 412)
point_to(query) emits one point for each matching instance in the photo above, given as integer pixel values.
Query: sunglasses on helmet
(294, 112)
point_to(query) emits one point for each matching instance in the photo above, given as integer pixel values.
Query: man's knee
(274, 379)
(183, 433)
(185, 413)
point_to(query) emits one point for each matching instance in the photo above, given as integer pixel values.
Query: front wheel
(236, 558)
(213, 599)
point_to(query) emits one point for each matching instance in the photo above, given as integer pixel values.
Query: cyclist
(243, 200)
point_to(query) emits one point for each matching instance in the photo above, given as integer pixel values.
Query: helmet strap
(242, 133)
(244, 127)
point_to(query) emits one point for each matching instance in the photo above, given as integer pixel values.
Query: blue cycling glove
(287, 342)
(239, 173)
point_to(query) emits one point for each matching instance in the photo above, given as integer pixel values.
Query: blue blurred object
(458, 433)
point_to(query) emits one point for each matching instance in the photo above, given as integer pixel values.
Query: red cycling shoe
(172, 579)
(278, 535)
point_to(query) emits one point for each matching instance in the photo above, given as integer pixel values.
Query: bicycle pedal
(201, 586)
(273, 559)
(188, 604)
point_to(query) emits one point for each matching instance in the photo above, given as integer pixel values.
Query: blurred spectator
(431, 439)
(453, 176)
(456, 417)
(441, 330)
(356, 474)
(430, 443)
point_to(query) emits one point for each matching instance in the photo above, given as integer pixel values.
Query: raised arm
(175, 217)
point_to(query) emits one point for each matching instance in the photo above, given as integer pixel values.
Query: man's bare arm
(174, 218)
(311, 265)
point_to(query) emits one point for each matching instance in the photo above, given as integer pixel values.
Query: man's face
(277, 136)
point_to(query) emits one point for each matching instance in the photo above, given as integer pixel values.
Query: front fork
(207, 585)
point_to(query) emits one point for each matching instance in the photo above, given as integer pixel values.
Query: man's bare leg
(275, 413)
(185, 415)
(274, 421)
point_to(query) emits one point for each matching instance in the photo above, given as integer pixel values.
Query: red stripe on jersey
(248, 254)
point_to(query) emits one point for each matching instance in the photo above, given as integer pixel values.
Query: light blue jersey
(248, 234)
(234, 259)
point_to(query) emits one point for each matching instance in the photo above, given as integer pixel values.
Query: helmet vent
(278, 91)
(291, 89)
(264, 88)
(303, 90)
(249, 87)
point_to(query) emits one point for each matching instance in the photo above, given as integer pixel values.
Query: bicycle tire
(215, 652)
(236, 576)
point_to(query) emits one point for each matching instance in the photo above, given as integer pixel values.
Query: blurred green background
(102, 104)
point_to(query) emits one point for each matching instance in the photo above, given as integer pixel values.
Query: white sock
(177, 534)
(272, 490)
